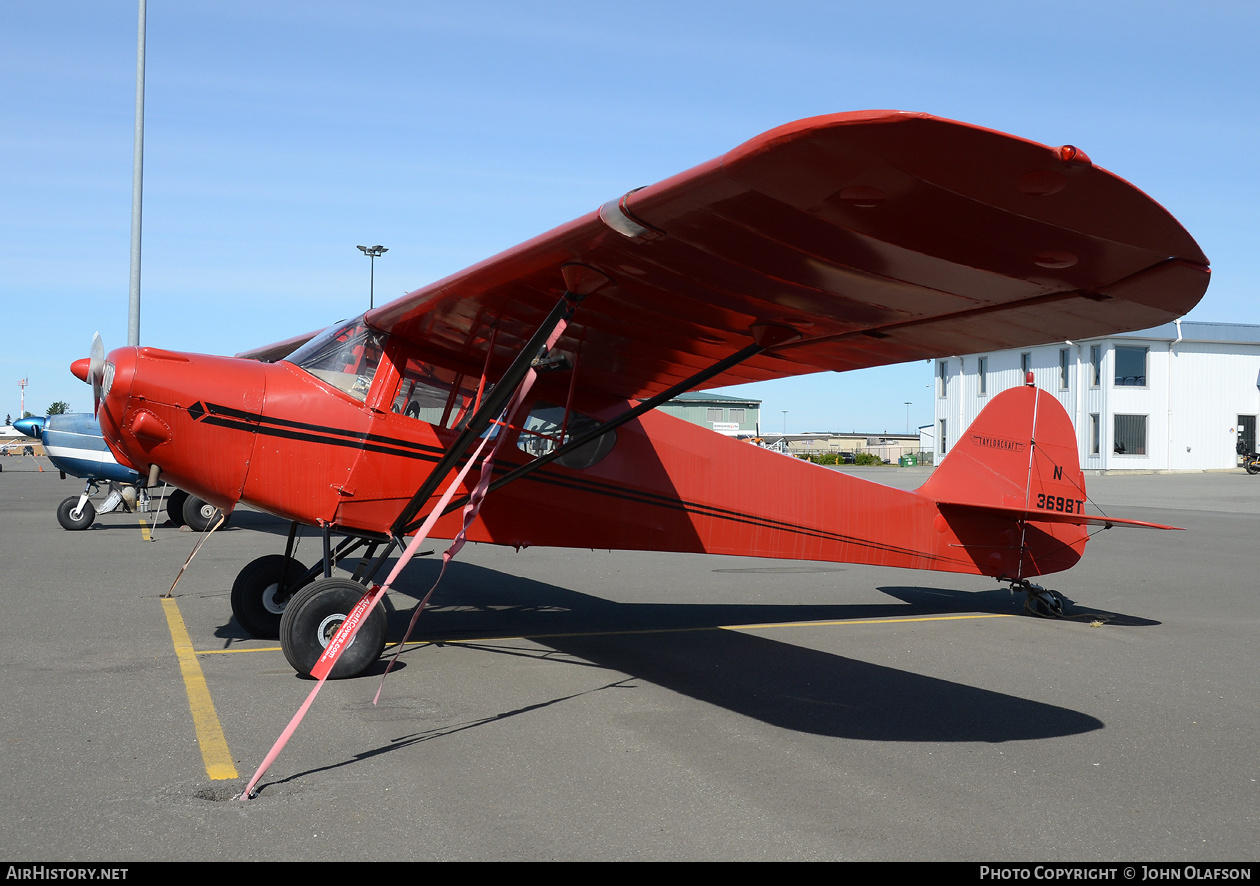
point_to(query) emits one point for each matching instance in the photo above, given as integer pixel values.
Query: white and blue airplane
(74, 444)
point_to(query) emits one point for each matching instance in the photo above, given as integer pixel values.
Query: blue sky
(280, 135)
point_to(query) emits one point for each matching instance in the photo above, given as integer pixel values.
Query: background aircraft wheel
(199, 515)
(67, 519)
(175, 506)
(312, 618)
(255, 590)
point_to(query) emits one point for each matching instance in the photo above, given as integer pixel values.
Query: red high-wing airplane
(832, 243)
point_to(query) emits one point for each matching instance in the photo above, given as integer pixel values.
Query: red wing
(879, 236)
(279, 350)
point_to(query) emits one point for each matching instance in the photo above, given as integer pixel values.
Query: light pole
(372, 252)
(907, 416)
(785, 412)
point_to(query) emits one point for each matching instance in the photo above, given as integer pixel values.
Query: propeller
(96, 370)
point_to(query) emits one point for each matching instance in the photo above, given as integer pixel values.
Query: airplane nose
(31, 427)
(119, 370)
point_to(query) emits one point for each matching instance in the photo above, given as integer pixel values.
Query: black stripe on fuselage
(237, 419)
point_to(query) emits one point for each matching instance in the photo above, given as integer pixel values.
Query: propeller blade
(96, 370)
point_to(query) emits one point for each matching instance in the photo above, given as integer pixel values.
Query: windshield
(345, 357)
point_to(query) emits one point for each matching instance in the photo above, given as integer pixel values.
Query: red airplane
(832, 243)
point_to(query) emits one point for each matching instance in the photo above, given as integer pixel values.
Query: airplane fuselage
(281, 439)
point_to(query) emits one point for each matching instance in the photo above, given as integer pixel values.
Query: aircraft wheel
(1044, 604)
(255, 592)
(66, 514)
(199, 515)
(175, 506)
(312, 618)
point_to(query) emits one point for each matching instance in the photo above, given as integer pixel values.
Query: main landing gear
(275, 596)
(188, 510)
(1038, 601)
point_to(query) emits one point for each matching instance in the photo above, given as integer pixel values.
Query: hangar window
(1095, 366)
(545, 430)
(1131, 366)
(713, 414)
(1065, 364)
(737, 415)
(942, 378)
(1130, 436)
(982, 374)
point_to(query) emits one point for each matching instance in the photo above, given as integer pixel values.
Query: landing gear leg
(77, 512)
(1038, 601)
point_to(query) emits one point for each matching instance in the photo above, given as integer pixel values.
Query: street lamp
(372, 252)
(907, 402)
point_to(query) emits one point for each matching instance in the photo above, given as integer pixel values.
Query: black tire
(1252, 465)
(312, 618)
(65, 514)
(175, 506)
(255, 590)
(199, 515)
(1045, 608)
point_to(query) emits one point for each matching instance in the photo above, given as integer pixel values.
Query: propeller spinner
(96, 371)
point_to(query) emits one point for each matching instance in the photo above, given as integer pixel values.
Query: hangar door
(1246, 434)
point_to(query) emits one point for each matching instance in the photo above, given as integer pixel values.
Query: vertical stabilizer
(1016, 462)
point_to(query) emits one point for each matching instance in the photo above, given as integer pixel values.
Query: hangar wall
(1176, 397)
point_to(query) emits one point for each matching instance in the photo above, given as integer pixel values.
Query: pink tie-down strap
(351, 625)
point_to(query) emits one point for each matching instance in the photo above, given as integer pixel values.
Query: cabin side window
(432, 394)
(546, 429)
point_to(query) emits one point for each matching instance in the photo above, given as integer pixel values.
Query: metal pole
(372, 252)
(137, 187)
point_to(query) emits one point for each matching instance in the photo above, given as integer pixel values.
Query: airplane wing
(878, 236)
(279, 350)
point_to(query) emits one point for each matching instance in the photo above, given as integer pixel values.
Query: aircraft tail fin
(1018, 455)
(1017, 465)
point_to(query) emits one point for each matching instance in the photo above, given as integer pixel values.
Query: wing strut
(489, 410)
(765, 337)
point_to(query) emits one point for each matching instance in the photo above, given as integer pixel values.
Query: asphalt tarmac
(594, 705)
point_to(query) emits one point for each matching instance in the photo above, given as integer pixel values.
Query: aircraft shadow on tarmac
(683, 648)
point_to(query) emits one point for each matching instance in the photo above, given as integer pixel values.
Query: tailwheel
(258, 599)
(311, 620)
(1038, 601)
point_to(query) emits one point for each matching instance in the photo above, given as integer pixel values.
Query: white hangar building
(1177, 397)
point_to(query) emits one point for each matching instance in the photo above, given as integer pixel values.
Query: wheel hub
(269, 601)
(328, 629)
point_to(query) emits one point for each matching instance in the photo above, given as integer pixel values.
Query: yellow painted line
(873, 621)
(144, 528)
(214, 749)
(748, 627)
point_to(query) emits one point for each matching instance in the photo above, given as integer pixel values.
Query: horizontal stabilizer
(1047, 516)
